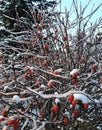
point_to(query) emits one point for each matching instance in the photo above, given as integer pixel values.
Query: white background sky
(67, 4)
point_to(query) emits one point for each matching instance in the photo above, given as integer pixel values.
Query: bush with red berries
(53, 80)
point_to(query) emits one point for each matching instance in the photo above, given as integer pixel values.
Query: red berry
(45, 63)
(26, 76)
(65, 38)
(37, 25)
(37, 83)
(31, 72)
(73, 103)
(10, 122)
(85, 106)
(75, 75)
(66, 46)
(42, 26)
(55, 109)
(2, 118)
(22, 96)
(42, 115)
(56, 73)
(38, 33)
(83, 60)
(100, 80)
(65, 119)
(71, 97)
(94, 66)
(51, 84)
(75, 113)
(17, 121)
(4, 113)
(46, 46)
(15, 124)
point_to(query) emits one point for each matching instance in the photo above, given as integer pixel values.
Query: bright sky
(92, 5)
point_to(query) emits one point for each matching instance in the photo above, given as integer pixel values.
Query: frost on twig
(78, 95)
(24, 125)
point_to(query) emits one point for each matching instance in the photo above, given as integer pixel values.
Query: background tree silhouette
(17, 9)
